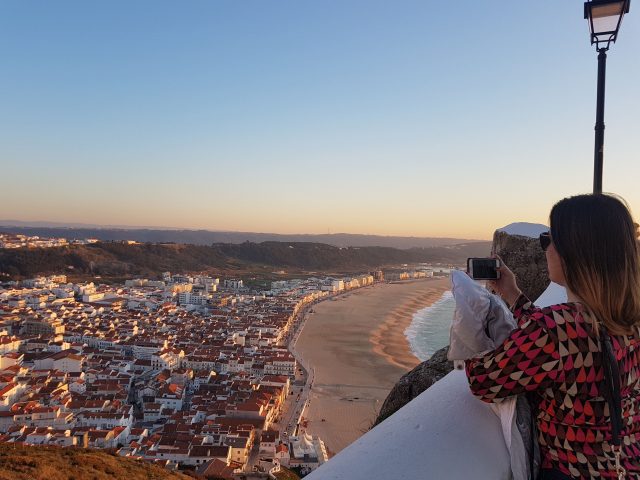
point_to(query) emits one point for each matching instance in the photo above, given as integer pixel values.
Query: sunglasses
(545, 240)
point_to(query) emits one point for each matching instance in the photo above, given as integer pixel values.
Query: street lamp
(605, 17)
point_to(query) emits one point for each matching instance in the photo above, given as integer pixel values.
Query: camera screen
(484, 268)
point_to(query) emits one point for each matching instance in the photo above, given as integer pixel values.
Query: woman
(556, 353)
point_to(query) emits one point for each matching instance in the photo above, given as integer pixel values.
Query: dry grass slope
(286, 474)
(50, 463)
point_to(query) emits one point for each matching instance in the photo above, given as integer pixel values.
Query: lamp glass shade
(605, 18)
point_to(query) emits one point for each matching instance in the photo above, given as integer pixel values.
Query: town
(188, 371)
(16, 240)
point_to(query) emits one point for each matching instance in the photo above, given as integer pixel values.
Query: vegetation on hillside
(116, 259)
(19, 462)
(286, 474)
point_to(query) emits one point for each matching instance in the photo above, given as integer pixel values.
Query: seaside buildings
(10, 240)
(188, 371)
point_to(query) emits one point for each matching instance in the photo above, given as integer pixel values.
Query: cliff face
(526, 259)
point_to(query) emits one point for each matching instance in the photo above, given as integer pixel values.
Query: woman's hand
(505, 286)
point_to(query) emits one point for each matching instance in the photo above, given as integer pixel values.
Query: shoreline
(356, 350)
(389, 339)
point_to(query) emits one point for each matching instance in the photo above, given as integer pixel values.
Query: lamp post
(605, 17)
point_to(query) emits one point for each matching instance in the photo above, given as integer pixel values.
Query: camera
(483, 268)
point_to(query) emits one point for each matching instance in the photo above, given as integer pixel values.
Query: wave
(429, 328)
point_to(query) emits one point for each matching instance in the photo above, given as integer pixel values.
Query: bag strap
(613, 396)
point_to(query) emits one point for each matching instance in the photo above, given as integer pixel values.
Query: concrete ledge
(443, 433)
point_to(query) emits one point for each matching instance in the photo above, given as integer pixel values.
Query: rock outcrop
(526, 259)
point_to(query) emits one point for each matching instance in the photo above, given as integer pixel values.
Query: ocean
(429, 329)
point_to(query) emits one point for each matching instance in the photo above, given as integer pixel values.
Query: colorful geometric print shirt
(555, 354)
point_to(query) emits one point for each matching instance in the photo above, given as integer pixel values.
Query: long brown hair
(595, 237)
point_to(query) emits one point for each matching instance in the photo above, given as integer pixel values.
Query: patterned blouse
(555, 353)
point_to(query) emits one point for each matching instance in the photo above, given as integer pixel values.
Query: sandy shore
(357, 350)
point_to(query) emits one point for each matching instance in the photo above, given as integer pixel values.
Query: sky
(398, 117)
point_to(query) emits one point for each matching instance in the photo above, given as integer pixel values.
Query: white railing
(445, 433)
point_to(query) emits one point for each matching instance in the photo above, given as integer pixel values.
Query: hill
(207, 237)
(116, 259)
(19, 462)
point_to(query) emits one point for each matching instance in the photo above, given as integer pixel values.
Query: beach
(356, 349)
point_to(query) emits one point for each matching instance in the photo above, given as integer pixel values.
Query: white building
(306, 452)
(285, 365)
(171, 396)
(234, 284)
(188, 298)
(92, 297)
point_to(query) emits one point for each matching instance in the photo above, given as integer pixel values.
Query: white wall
(445, 433)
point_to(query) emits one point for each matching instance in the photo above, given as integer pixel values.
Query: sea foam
(429, 329)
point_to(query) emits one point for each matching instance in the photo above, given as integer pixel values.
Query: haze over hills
(208, 237)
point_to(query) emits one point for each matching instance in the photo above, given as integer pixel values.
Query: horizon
(362, 117)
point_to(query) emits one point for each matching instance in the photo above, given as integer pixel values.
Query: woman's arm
(527, 360)
(523, 309)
